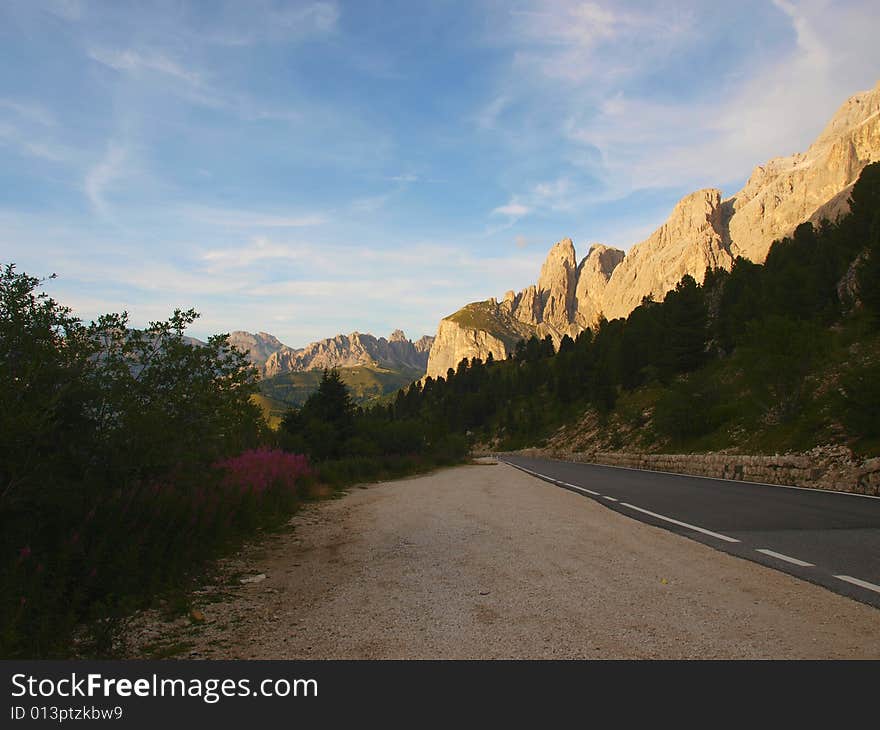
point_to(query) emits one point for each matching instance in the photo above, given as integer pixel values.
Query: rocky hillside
(259, 346)
(347, 351)
(703, 230)
(272, 357)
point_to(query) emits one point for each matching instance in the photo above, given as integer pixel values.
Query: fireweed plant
(127, 459)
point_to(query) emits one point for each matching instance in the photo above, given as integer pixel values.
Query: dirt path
(487, 562)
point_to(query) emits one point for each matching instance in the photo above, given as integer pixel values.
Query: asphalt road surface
(828, 538)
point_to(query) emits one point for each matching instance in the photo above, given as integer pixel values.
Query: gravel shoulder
(485, 562)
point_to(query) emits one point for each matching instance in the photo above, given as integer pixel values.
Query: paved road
(487, 562)
(828, 538)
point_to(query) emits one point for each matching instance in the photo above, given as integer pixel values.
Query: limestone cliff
(593, 275)
(476, 330)
(259, 346)
(789, 190)
(345, 351)
(690, 240)
(703, 231)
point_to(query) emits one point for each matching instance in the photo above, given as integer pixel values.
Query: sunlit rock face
(704, 230)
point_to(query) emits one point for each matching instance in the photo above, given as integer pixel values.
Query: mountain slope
(703, 231)
(353, 350)
(259, 346)
(366, 383)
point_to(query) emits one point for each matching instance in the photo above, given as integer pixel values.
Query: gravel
(484, 562)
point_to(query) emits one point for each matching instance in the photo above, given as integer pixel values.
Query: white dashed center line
(681, 524)
(786, 558)
(766, 551)
(858, 582)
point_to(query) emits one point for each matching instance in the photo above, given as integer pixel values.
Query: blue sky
(309, 168)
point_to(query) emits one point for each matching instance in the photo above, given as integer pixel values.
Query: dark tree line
(772, 319)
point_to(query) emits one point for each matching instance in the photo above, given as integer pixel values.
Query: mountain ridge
(272, 357)
(704, 230)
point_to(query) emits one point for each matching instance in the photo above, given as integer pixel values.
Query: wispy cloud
(594, 68)
(649, 143)
(258, 249)
(12, 136)
(138, 62)
(371, 203)
(512, 209)
(487, 117)
(250, 219)
(190, 84)
(571, 40)
(29, 111)
(543, 197)
(260, 21)
(71, 10)
(99, 177)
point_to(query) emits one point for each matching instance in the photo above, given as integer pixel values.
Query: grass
(367, 384)
(747, 421)
(487, 317)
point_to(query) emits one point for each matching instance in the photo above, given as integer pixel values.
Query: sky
(321, 167)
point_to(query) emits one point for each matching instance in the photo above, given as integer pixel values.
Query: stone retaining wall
(830, 468)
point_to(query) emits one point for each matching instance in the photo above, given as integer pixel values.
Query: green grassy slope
(367, 384)
(485, 316)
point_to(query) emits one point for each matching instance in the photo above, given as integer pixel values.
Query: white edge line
(605, 496)
(701, 476)
(786, 558)
(580, 489)
(681, 524)
(555, 481)
(858, 582)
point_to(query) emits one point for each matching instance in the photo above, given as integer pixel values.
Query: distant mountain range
(703, 230)
(272, 357)
(371, 367)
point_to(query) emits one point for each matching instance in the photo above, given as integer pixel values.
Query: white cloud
(250, 219)
(320, 17)
(487, 117)
(549, 196)
(258, 249)
(29, 111)
(192, 85)
(578, 81)
(71, 10)
(776, 110)
(136, 61)
(11, 136)
(371, 203)
(243, 24)
(512, 210)
(571, 41)
(809, 40)
(99, 177)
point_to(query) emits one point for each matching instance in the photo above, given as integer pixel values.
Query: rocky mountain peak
(353, 350)
(602, 259)
(556, 284)
(593, 275)
(702, 231)
(806, 186)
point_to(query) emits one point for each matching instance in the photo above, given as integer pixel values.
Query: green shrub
(860, 400)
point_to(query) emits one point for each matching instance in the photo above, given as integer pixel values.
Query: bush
(115, 470)
(860, 396)
(778, 355)
(135, 542)
(688, 409)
